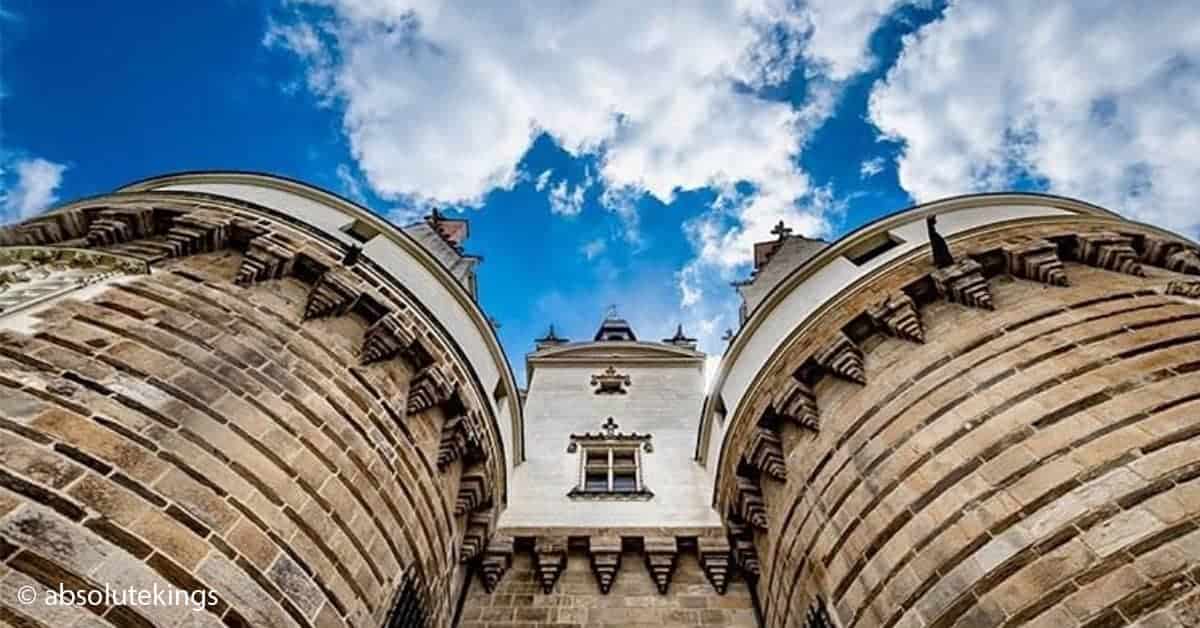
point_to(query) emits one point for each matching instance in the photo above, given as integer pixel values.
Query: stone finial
(898, 316)
(474, 492)
(475, 537)
(201, 231)
(1037, 261)
(460, 441)
(549, 561)
(662, 553)
(714, 559)
(964, 283)
(496, 560)
(765, 453)
(750, 504)
(429, 388)
(606, 560)
(333, 295)
(797, 403)
(843, 358)
(1110, 251)
(385, 339)
(1189, 289)
(265, 259)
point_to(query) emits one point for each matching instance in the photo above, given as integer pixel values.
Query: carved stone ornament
(33, 274)
(610, 382)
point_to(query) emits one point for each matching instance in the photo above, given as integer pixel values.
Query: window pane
(596, 482)
(626, 456)
(624, 482)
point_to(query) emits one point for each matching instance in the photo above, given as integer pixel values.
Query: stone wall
(1025, 454)
(632, 602)
(295, 442)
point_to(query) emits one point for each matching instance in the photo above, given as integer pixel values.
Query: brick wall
(633, 601)
(1032, 465)
(194, 428)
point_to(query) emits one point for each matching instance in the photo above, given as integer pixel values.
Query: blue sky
(612, 154)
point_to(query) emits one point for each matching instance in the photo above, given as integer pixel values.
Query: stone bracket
(1172, 255)
(200, 231)
(797, 403)
(474, 492)
(496, 561)
(475, 537)
(460, 441)
(765, 453)
(662, 554)
(745, 553)
(714, 555)
(606, 560)
(429, 388)
(1036, 260)
(898, 316)
(266, 258)
(386, 338)
(120, 224)
(843, 358)
(749, 502)
(1110, 251)
(964, 283)
(333, 294)
(549, 561)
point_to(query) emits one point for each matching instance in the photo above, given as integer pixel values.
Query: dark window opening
(872, 247)
(409, 610)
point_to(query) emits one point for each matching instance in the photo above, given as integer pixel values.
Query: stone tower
(983, 411)
(1004, 434)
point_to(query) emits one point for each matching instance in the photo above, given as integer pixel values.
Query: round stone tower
(246, 385)
(991, 418)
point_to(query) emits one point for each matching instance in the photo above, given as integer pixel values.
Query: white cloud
(871, 167)
(1101, 100)
(350, 185)
(543, 179)
(592, 248)
(565, 200)
(35, 187)
(442, 100)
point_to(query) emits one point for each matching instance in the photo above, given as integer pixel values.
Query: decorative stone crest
(609, 435)
(963, 283)
(1111, 251)
(714, 559)
(496, 561)
(765, 453)
(1037, 261)
(661, 556)
(606, 560)
(610, 382)
(843, 358)
(898, 316)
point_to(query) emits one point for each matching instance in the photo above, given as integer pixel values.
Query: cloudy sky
(611, 152)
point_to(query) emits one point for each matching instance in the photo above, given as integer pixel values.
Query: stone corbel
(265, 259)
(749, 501)
(797, 403)
(745, 554)
(334, 294)
(429, 388)
(899, 317)
(120, 224)
(460, 441)
(1037, 261)
(606, 560)
(765, 453)
(474, 492)
(549, 561)
(843, 358)
(475, 538)
(200, 231)
(496, 561)
(662, 554)
(1172, 255)
(714, 560)
(1188, 289)
(1110, 251)
(385, 339)
(963, 283)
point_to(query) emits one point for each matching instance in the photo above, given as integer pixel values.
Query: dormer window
(610, 464)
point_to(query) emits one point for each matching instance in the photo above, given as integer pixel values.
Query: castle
(982, 411)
